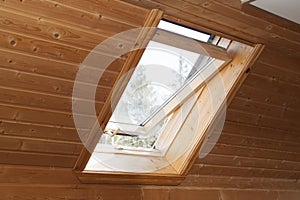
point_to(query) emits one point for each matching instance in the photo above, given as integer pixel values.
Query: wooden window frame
(242, 57)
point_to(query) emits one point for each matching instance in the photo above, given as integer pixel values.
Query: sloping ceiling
(42, 44)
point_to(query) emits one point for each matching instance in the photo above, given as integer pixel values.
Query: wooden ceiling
(42, 44)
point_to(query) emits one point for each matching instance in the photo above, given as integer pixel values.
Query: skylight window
(178, 89)
(162, 72)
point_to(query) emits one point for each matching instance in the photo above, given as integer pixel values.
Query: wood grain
(225, 182)
(38, 131)
(45, 84)
(245, 162)
(36, 159)
(70, 192)
(44, 42)
(21, 144)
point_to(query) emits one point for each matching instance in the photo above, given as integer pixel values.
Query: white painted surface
(244, 1)
(288, 9)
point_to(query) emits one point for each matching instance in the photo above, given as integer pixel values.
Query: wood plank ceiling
(42, 44)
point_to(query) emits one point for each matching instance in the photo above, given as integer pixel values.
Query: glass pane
(161, 72)
(187, 32)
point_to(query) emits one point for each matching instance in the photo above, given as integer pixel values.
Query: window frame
(196, 84)
(220, 59)
(241, 58)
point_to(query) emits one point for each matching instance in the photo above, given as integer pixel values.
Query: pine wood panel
(231, 139)
(36, 24)
(32, 25)
(31, 182)
(33, 99)
(260, 137)
(27, 114)
(259, 119)
(42, 44)
(48, 179)
(42, 48)
(281, 59)
(80, 192)
(232, 3)
(279, 112)
(288, 99)
(44, 146)
(193, 193)
(214, 194)
(23, 175)
(272, 85)
(117, 10)
(248, 162)
(215, 170)
(238, 150)
(225, 182)
(261, 132)
(29, 62)
(45, 84)
(56, 51)
(67, 14)
(39, 131)
(277, 73)
(38, 159)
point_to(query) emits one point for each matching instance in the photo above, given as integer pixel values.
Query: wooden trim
(258, 49)
(183, 96)
(180, 167)
(169, 134)
(249, 62)
(152, 20)
(130, 178)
